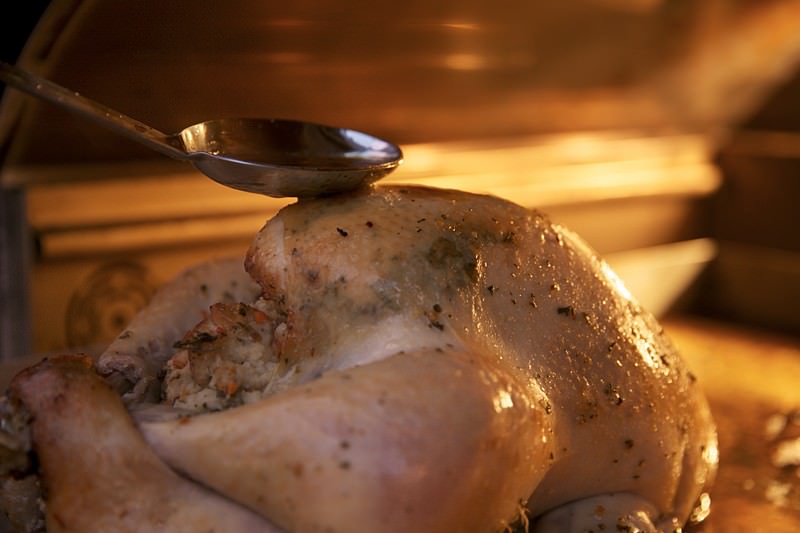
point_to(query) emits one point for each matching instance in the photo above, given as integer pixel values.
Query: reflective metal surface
(277, 158)
(283, 158)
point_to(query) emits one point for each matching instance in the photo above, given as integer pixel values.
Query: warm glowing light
(775, 425)
(787, 453)
(461, 25)
(777, 492)
(503, 400)
(464, 61)
(615, 281)
(711, 453)
(702, 510)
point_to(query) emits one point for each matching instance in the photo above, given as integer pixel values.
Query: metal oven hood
(460, 71)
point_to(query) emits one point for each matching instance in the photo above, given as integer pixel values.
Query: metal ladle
(277, 158)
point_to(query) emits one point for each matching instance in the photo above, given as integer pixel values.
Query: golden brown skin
(515, 364)
(98, 473)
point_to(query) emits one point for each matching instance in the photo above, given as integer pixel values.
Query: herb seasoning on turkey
(380, 376)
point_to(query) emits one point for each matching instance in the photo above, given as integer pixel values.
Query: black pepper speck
(567, 310)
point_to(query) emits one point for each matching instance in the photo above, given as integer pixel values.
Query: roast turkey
(396, 359)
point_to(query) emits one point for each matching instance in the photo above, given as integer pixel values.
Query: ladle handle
(81, 105)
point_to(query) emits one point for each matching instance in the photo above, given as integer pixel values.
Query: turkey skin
(436, 361)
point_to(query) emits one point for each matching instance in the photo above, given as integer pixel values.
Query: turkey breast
(421, 359)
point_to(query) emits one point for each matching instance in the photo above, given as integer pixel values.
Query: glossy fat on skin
(504, 281)
(134, 359)
(97, 471)
(374, 448)
(592, 398)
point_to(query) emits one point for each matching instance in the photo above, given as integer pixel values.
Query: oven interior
(665, 132)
